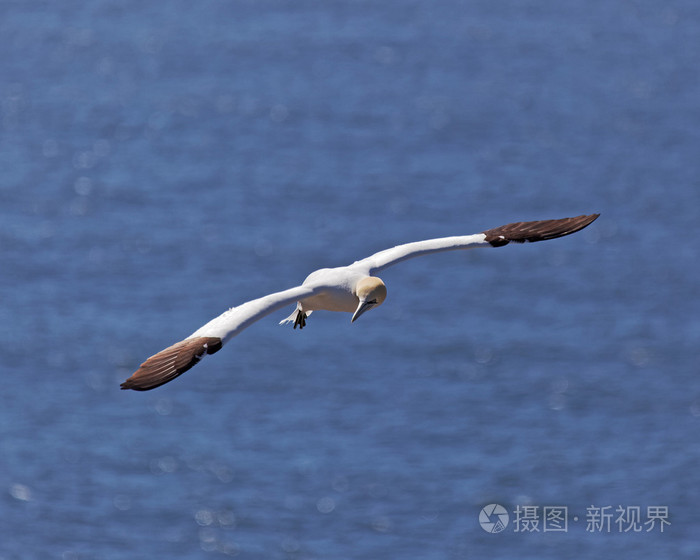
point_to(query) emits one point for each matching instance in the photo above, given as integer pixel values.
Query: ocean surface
(161, 162)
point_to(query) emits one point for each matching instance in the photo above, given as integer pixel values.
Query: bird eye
(373, 302)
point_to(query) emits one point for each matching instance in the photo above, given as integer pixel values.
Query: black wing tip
(135, 385)
(170, 363)
(129, 385)
(538, 230)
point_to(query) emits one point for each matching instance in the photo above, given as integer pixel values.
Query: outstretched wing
(518, 232)
(175, 360)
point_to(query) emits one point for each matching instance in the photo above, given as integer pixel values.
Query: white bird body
(339, 294)
(352, 288)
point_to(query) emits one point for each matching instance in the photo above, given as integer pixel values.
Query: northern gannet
(353, 288)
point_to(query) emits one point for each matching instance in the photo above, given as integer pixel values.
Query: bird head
(371, 292)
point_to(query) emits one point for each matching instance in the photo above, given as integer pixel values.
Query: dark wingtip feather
(170, 363)
(539, 230)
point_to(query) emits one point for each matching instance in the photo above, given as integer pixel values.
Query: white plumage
(352, 288)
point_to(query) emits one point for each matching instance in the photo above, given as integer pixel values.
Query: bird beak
(364, 306)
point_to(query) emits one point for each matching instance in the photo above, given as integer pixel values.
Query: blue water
(160, 162)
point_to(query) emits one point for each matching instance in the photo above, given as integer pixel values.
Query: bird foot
(300, 319)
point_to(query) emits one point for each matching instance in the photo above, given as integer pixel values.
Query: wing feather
(540, 230)
(175, 360)
(171, 363)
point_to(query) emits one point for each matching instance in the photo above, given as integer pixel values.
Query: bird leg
(300, 319)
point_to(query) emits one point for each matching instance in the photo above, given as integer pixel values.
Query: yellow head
(371, 292)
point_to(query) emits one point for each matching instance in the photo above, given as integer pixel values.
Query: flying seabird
(354, 289)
